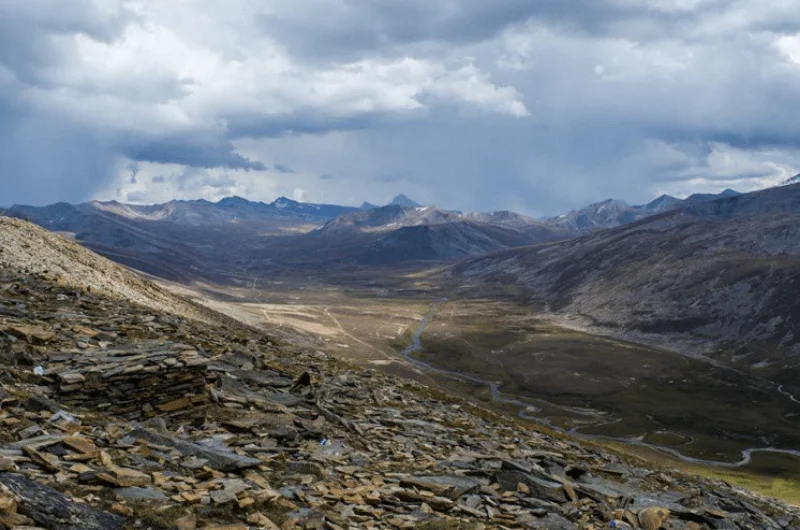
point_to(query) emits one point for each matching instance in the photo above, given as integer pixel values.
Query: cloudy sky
(537, 106)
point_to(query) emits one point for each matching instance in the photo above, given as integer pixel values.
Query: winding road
(353, 337)
(787, 394)
(526, 411)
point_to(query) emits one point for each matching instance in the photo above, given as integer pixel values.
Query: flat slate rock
(453, 486)
(552, 522)
(140, 494)
(542, 489)
(217, 459)
(52, 510)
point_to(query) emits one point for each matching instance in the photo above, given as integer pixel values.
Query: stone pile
(133, 383)
(290, 440)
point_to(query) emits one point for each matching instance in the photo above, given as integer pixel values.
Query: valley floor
(650, 402)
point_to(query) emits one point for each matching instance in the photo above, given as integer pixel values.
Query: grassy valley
(605, 390)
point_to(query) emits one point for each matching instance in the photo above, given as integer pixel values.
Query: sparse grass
(787, 490)
(720, 411)
(772, 475)
(668, 398)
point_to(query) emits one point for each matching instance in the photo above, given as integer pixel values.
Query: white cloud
(467, 103)
(789, 47)
(728, 167)
(157, 182)
(157, 76)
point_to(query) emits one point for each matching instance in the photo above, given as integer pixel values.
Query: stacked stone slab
(163, 380)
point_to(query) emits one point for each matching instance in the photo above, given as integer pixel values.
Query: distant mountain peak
(704, 197)
(231, 201)
(664, 202)
(405, 202)
(368, 206)
(284, 200)
(793, 180)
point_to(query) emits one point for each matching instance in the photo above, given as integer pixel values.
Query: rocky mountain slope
(235, 238)
(612, 213)
(25, 246)
(120, 416)
(719, 271)
(185, 240)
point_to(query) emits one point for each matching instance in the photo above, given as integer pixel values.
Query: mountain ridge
(174, 239)
(182, 240)
(685, 276)
(596, 216)
(792, 180)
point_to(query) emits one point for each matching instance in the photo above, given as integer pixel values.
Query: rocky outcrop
(138, 383)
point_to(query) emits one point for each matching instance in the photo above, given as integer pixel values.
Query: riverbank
(760, 466)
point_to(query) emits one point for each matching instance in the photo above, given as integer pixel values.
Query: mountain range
(612, 213)
(716, 277)
(709, 268)
(183, 239)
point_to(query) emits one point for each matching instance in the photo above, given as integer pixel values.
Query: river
(528, 411)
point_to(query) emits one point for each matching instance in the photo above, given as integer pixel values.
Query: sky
(536, 106)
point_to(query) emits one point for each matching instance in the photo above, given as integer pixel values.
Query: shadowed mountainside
(727, 270)
(236, 239)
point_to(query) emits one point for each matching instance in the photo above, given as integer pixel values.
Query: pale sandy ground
(355, 329)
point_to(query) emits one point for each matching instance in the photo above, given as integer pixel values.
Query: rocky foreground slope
(34, 250)
(116, 415)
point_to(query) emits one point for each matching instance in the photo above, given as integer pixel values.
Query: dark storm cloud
(351, 28)
(45, 157)
(306, 121)
(30, 32)
(622, 95)
(188, 152)
(45, 160)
